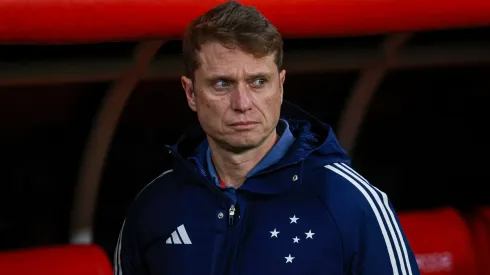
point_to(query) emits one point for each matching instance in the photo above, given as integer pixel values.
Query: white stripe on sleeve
(117, 252)
(392, 216)
(376, 213)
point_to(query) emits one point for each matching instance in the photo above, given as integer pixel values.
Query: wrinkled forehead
(214, 58)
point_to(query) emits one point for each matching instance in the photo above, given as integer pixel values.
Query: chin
(243, 145)
(244, 142)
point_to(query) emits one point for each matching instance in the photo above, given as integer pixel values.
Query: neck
(233, 168)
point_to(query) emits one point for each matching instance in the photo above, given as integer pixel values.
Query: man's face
(237, 97)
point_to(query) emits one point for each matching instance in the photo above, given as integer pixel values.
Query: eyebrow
(258, 75)
(219, 76)
(214, 77)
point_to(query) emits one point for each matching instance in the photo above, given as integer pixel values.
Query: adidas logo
(179, 236)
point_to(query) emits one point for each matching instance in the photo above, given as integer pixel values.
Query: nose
(241, 99)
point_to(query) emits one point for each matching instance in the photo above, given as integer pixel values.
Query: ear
(282, 78)
(189, 92)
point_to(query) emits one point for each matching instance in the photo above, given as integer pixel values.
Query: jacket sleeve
(126, 254)
(373, 240)
(129, 255)
(383, 247)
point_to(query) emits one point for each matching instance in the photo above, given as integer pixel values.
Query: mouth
(243, 125)
(240, 123)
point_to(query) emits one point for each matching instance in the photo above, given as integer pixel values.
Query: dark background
(424, 140)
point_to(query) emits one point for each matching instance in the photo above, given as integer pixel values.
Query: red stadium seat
(441, 242)
(479, 222)
(60, 260)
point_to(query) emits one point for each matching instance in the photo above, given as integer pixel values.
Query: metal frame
(100, 139)
(363, 92)
(300, 62)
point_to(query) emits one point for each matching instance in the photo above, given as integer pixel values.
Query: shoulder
(147, 205)
(148, 198)
(372, 235)
(348, 196)
(157, 192)
(359, 209)
(156, 184)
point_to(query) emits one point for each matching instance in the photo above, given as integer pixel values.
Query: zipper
(231, 215)
(234, 237)
(231, 210)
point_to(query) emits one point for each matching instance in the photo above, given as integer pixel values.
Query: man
(251, 193)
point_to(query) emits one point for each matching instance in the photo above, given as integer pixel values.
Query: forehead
(215, 58)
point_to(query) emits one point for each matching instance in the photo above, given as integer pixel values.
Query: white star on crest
(289, 259)
(293, 219)
(274, 233)
(296, 239)
(309, 234)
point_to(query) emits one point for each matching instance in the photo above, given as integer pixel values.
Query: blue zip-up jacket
(309, 213)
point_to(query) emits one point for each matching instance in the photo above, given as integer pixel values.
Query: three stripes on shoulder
(390, 229)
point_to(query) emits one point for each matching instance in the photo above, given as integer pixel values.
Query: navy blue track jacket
(309, 213)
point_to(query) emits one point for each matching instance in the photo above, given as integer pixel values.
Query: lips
(243, 123)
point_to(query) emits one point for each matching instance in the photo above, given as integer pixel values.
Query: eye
(258, 82)
(221, 84)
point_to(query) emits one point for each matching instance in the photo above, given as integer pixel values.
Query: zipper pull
(231, 215)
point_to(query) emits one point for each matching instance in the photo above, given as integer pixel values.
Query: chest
(288, 234)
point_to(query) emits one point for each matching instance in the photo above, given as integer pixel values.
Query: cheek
(272, 104)
(207, 105)
(211, 110)
(204, 105)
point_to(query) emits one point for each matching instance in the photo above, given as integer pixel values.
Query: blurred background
(410, 108)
